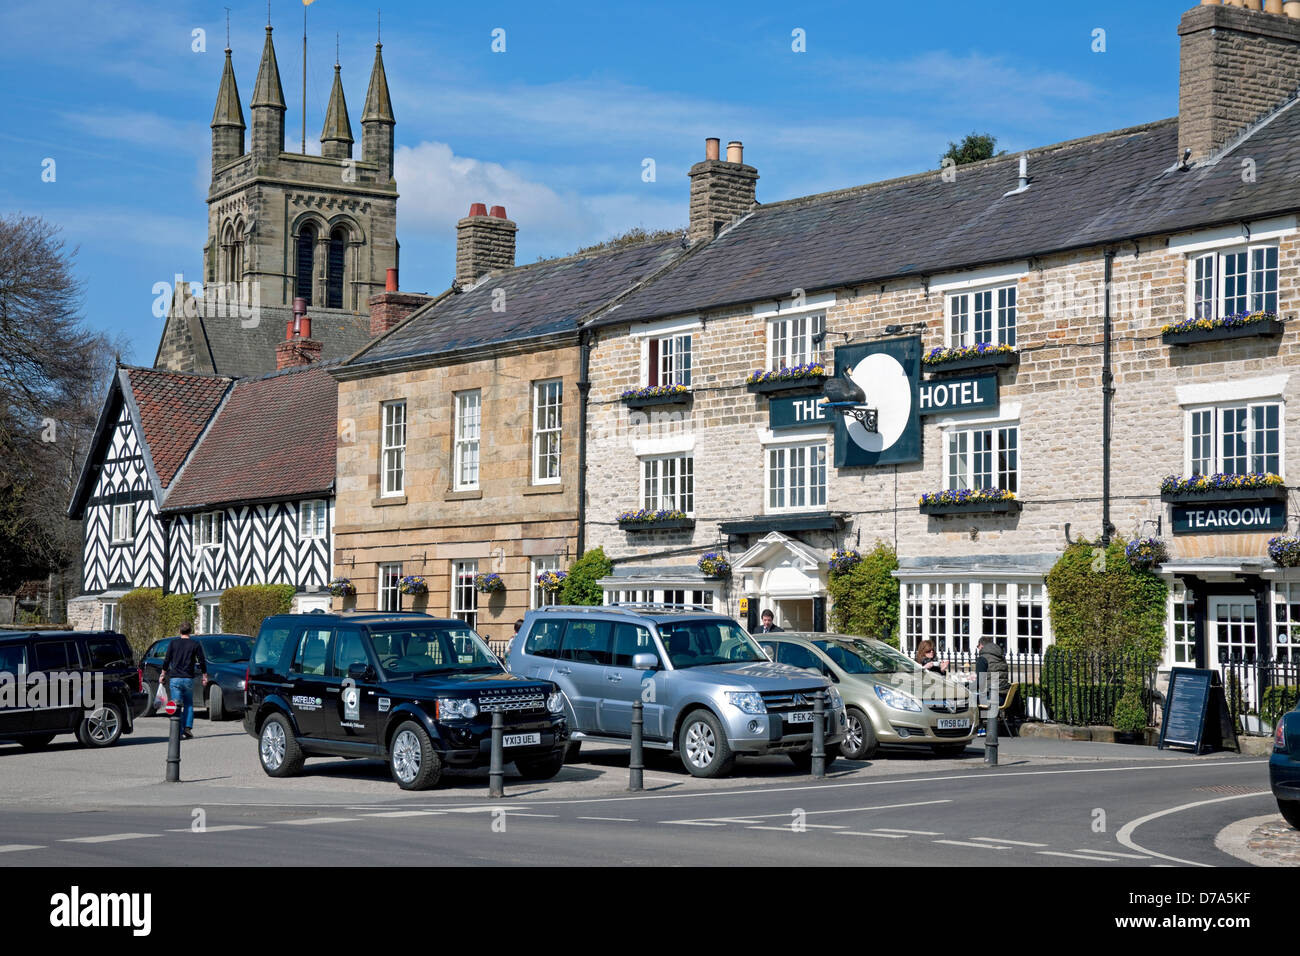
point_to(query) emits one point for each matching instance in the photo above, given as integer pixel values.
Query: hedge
(1100, 602)
(243, 609)
(1278, 699)
(864, 599)
(582, 586)
(145, 616)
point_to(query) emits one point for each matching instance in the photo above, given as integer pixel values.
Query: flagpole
(304, 79)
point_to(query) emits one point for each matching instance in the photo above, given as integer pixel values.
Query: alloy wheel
(103, 725)
(852, 735)
(272, 746)
(700, 744)
(406, 756)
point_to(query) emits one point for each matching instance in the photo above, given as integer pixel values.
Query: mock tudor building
(196, 483)
(459, 449)
(286, 225)
(1024, 350)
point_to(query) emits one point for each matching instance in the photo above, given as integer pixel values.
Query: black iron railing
(1259, 692)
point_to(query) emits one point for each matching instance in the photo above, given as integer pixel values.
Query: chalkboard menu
(1196, 713)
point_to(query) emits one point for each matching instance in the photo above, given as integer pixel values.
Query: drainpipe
(1107, 397)
(584, 387)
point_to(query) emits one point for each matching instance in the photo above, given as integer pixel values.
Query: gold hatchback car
(888, 698)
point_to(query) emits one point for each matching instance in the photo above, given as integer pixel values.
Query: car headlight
(242, 685)
(555, 703)
(747, 701)
(456, 707)
(833, 699)
(898, 700)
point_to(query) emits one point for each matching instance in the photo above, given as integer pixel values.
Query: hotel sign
(1221, 517)
(889, 374)
(801, 411)
(958, 395)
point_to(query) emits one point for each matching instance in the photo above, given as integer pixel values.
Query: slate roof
(540, 299)
(224, 346)
(274, 438)
(173, 409)
(1102, 189)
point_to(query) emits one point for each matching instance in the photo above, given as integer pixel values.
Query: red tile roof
(274, 438)
(174, 410)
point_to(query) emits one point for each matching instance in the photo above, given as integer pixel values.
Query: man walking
(184, 659)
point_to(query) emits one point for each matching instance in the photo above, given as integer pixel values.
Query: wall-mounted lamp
(1158, 521)
(820, 337)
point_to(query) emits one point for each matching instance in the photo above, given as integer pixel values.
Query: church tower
(283, 224)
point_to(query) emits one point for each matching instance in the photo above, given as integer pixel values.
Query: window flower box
(965, 357)
(810, 375)
(644, 520)
(965, 501)
(1241, 325)
(490, 583)
(342, 587)
(1146, 553)
(552, 582)
(715, 564)
(844, 561)
(1175, 489)
(413, 584)
(657, 395)
(1285, 551)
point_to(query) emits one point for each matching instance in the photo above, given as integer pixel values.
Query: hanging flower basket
(342, 587)
(715, 564)
(413, 584)
(552, 582)
(1146, 553)
(490, 583)
(1285, 550)
(845, 561)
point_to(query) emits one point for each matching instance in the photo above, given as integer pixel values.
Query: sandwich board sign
(1196, 713)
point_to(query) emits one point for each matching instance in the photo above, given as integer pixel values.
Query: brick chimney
(721, 190)
(390, 307)
(298, 347)
(1238, 64)
(484, 241)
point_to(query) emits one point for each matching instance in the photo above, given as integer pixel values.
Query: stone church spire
(377, 120)
(268, 106)
(227, 120)
(336, 137)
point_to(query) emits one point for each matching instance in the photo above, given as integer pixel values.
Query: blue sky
(556, 128)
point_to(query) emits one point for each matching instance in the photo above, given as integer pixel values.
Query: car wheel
(1290, 810)
(38, 742)
(804, 760)
(102, 727)
(859, 741)
(540, 768)
(703, 746)
(152, 709)
(277, 747)
(948, 750)
(411, 759)
(572, 750)
(216, 704)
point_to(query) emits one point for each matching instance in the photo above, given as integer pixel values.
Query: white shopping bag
(160, 698)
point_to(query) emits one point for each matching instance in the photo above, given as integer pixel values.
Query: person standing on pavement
(991, 673)
(183, 661)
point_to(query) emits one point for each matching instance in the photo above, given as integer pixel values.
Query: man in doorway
(769, 623)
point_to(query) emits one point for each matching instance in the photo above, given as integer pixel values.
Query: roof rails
(628, 607)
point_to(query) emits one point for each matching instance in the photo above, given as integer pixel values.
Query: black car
(227, 656)
(68, 682)
(415, 690)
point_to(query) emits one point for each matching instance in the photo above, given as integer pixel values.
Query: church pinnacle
(336, 137)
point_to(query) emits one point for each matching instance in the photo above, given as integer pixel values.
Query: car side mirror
(645, 662)
(361, 672)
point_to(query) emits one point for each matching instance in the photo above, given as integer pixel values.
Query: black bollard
(496, 772)
(174, 748)
(636, 766)
(991, 725)
(819, 735)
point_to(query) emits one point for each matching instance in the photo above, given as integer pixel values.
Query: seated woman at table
(926, 657)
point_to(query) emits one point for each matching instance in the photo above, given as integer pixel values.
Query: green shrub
(1100, 602)
(146, 616)
(864, 599)
(243, 609)
(1277, 700)
(582, 586)
(1130, 716)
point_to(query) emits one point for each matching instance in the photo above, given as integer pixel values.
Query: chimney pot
(1292, 9)
(478, 209)
(735, 152)
(390, 280)
(288, 330)
(1272, 6)
(711, 146)
(498, 212)
(304, 327)
(1254, 4)
(484, 243)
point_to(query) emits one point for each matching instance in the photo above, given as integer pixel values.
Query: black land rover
(413, 689)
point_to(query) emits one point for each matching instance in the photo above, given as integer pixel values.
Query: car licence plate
(801, 717)
(521, 740)
(954, 723)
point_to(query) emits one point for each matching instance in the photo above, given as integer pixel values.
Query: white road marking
(780, 829)
(1012, 842)
(394, 814)
(610, 819)
(978, 846)
(693, 823)
(883, 836)
(110, 838)
(226, 828)
(910, 832)
(18, 847)
(1074, 856)
(1125, 834)
(313, 821)
(1112, 854)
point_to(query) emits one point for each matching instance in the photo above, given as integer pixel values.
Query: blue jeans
(182, 691)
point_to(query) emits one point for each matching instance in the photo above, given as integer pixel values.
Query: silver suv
(708, 691)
